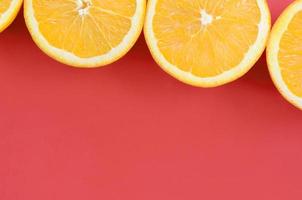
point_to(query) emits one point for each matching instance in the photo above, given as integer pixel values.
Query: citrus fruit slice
(207, 43)
(8, 12)
(284, 54)
(85, 33)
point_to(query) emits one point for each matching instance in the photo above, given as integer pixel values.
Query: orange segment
(205, 39)
(284, 54)
(5, 4)
(119, 7)
(99, 31)
(8, 11)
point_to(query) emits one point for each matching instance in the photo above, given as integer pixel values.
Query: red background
(130, 131)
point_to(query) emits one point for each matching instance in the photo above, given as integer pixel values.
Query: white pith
(83, 7)
(206, 18)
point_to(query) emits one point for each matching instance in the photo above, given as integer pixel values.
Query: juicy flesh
(4, 6)
(290, 55)
(206, 37)
(85, 28)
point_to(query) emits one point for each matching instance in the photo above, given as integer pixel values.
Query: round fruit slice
(284, 54)
(207, 43)
(8, 12)
(85, 33)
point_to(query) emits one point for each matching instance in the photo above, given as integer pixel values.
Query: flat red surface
(130, 131)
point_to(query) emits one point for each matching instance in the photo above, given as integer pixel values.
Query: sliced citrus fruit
(8, 12)
(284, 54)
(85, 33)
(207, 43)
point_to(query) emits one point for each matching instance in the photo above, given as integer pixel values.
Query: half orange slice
(284, 54)
(207, 43)
(8, 12)
(85, 33)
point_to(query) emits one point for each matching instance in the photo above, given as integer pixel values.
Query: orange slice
(8, 12)
(284, 54)
(207, 43)
(85, 33)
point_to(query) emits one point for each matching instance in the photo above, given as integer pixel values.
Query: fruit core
(83, 7)
(207, 18)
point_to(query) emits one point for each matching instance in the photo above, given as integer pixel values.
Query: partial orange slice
(8, 12)
(207, 43)
(284, 54)
(85, 33)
